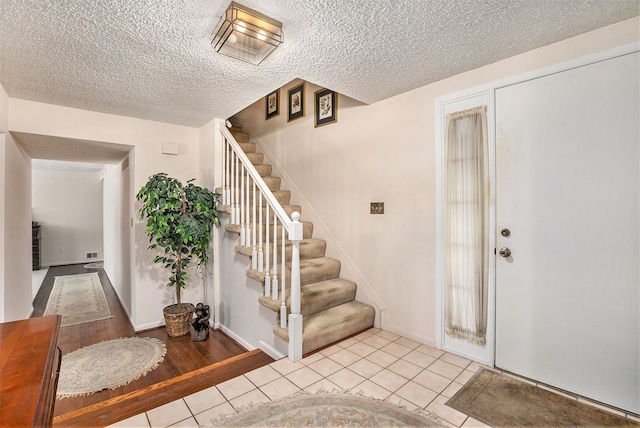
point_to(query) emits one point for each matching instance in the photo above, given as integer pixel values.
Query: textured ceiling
(152, 59)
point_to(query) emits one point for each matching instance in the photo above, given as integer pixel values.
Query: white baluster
(260, 253)
(224, 172)
(295, 317)
(283, 303)
(231, 191)
(247, 216)
(236, 190)
(274, 281)
(267, 278)
(242, 229)
(254, 250)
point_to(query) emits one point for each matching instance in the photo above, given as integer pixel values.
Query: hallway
(183, 355)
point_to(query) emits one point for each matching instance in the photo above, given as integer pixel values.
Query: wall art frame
(272, 104)
(296, 102)
(326, 107)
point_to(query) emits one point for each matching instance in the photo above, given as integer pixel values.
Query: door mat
(500, 400)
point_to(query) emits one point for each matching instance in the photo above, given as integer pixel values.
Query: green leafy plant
(179, 221)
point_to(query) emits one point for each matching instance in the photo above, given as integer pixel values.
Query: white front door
(567, 189)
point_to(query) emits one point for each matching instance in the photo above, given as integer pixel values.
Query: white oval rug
(108, 365)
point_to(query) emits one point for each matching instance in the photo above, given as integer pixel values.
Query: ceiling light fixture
(246, 34)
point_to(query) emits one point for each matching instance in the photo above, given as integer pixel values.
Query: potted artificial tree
(179, 222)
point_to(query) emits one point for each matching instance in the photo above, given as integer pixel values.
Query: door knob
(504, 252)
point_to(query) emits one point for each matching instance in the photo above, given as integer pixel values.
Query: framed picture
(272, 102)
(326, 107)
(296, 102)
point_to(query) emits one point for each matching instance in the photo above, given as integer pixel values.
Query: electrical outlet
(377, 208)
(88, 255)
(94, 255)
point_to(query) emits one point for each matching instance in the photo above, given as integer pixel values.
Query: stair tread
(311, 270)
(316, 296)
(331, 325)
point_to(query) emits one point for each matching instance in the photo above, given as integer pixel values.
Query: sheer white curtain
(466, 225)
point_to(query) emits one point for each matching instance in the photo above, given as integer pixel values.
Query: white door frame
(487, 355)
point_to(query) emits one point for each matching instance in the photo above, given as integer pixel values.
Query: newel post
(295, 318)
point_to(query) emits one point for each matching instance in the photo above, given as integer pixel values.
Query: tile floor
(376, 363)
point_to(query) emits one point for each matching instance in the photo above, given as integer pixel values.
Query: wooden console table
(29, 367)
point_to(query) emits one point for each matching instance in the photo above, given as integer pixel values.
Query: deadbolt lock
(505, 232)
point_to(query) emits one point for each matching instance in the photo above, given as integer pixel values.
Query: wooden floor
(183, 360)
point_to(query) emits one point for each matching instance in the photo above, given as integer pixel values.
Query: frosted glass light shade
(246, 34)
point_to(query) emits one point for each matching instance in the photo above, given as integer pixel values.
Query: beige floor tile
(344, 357)
(168, 414)
(365, 334)
(187, 423)
(474, 423)
(235, 387)
(445, 412)
(376, 341)
(417, 394)
(389, 380)
(346, 379)
(396, 349)
(263, 375)
(203, 400)
(381, 358)
(323, 386)
(303, 377)
(325, 367)
(279, 388)
(251, 398)
(137, 421)
(431, 351)
(455, 360)
(408, 343)
(348, 342)
(312, 358)
(405, 368)
(464, 376)
(419, 359)
(361, 349)
(445, 369)
(331, 350)
(388, 335)
(432, 380)
(285, 366)
(399, 401)
(365, 368)
(475, 366)
(214, 413)
(451, 390)
(372, 390)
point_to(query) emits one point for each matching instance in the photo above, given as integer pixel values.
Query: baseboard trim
(235, 337)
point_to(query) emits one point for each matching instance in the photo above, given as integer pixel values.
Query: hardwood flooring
(184, 361)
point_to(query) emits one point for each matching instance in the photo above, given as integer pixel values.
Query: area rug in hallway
(328, 409)
(108, 365)
(502, 401)
(78, 298)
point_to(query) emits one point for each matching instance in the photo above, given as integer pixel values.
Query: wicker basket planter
(178, 319)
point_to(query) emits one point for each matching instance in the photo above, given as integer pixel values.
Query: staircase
(327, 302)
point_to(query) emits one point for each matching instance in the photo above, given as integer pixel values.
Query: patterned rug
(108, 365)
(502, 401)
(326, 409)
(78, 298)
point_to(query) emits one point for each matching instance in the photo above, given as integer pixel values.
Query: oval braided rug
(328, 410)
(108, 365)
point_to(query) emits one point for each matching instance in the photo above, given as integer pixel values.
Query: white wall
(117, 197)
(4, 118)
(149, 291)
(386, 152)
(68, 206)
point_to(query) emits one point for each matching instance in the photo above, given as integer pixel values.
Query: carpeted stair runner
(327, 301)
